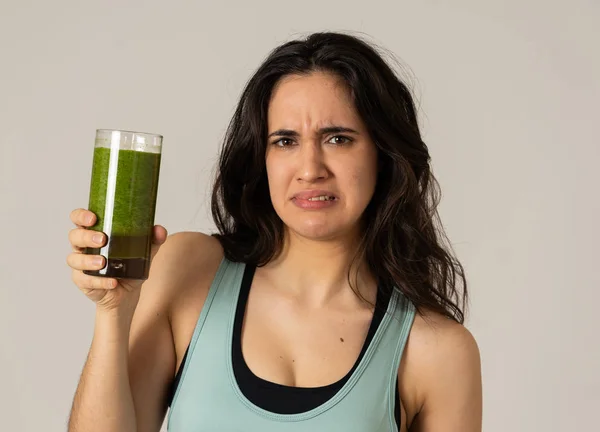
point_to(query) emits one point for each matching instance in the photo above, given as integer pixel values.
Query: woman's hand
(107, 293)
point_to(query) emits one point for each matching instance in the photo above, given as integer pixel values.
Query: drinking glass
(123, 192)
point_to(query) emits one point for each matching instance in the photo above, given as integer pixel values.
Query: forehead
(311, 100)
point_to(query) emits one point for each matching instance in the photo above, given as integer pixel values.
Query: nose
(312, 165)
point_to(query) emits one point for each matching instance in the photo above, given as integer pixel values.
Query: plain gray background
(509, 103)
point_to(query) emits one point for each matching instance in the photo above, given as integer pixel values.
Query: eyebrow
(323, 131)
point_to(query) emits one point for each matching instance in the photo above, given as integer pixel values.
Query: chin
(314, 230)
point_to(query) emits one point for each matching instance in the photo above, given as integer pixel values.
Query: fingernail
(89, 219)
(97, 238)
(97, 261)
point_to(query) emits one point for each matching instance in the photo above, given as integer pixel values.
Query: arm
(449, 376)
(131, 363)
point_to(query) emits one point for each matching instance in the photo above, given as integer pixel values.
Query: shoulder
(184, 262)
(442, 363)
(440, 340)
(189, 246)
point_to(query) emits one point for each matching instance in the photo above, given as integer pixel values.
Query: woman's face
(321, 162)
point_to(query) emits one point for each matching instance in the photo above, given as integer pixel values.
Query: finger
(83, 217)
(79, 261)
(81, 238)
(159, 235)
(87, 282)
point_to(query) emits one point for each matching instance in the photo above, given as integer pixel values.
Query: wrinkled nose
(312, 166)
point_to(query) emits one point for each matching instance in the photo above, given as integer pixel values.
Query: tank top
(208, 396)
(280, 398)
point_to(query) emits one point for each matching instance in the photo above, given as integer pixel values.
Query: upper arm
(449, 376)
(152, 357)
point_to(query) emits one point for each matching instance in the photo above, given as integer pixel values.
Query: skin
(142, 334)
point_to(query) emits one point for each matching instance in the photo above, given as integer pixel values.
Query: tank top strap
(395, 338)
(221, 295)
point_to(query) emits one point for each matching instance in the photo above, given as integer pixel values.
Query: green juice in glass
(123, 194)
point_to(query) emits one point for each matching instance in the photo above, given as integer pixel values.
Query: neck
(317, 271)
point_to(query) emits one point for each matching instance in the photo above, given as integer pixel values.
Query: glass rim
(130, 132)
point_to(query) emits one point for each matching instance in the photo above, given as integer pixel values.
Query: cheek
(276, 176)
(363, 179)
(364, 185)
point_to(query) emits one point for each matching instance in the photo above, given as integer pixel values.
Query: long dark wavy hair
(403, 241)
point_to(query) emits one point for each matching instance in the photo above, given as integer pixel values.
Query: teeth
(321, 198)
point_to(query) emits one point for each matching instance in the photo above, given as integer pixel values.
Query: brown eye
(283, 142)
(339, 140)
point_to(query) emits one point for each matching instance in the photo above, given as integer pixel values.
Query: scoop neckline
(339, 395)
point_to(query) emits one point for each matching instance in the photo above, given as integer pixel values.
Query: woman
(327, 300)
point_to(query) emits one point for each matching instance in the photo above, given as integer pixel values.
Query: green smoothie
(124, 200)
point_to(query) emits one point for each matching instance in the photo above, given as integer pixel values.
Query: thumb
(159, 235)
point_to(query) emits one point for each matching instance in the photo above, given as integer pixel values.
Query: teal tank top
(208, 397)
